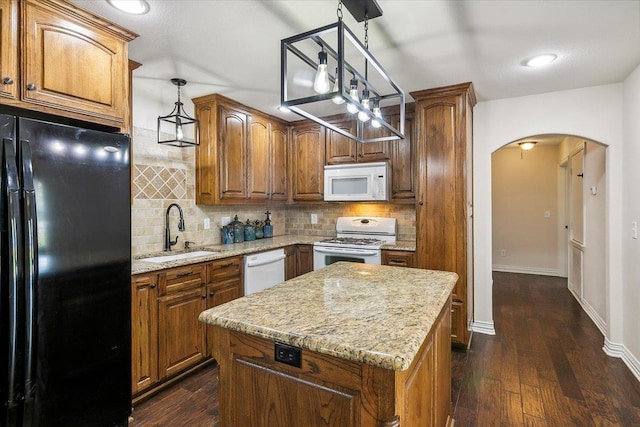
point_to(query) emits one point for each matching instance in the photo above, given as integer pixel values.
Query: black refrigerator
(65, 295)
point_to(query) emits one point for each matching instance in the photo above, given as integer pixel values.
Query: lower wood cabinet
(166, 336)
(398, 258)
(298, 261)
(144, 332)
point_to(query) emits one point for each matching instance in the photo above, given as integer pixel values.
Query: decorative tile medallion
(156, 182)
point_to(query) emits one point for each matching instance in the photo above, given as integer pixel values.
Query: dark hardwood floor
(544, 367)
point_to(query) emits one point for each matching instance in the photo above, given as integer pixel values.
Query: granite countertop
(139, 266)
(378, 315)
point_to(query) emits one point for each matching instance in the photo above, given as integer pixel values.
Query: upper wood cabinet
(9, 77)
(307, 162)
(340, 149)
(404, 161)
(242, 156)
(443, 210)
(71, 63)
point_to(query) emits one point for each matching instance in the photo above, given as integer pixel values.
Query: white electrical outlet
(207, 223)
(503, 252)
(547, 214)
(314, 218)
(634, 230)
(225, 220)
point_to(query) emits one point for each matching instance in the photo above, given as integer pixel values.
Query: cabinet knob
(421, 203)
(7, 81)
(212, 293)
(31, 86)
(152, 286)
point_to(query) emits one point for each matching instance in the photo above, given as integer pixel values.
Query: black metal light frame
(343, 32)
(179, 117)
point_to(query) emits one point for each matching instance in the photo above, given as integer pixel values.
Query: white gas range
(358, 240)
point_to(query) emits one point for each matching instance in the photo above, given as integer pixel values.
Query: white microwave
(356, 182)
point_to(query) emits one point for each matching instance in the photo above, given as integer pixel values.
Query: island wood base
(257, 391)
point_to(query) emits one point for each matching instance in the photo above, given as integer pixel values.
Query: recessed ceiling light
(540, 60)
(134, 7)
(284, 109)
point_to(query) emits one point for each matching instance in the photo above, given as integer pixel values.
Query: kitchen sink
(176, 257)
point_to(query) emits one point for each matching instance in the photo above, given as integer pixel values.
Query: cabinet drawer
(222, 269)
(183, 278)
(398, 258)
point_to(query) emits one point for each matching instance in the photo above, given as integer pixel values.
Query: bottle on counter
(258, 227)
(238, 230)
(267, 230)
(226, 235)
(249, 232)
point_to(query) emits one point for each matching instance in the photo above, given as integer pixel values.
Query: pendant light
(320, 95)
(174, 124)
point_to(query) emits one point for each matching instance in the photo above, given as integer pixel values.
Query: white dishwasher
(263, 270)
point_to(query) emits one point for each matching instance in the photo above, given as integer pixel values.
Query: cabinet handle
(152, 286)
(7, 81)
(181, 275)
(31, 86)
(396, 261)
(204, 297)
(360, 155)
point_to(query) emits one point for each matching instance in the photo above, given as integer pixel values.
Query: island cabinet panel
(9, 77)
(257, 390)
(242, 157)
(144, 332)
(307, 162)
(443, 210)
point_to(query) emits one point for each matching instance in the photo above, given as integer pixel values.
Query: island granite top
(378, 315)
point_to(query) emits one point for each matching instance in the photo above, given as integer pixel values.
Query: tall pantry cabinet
(444, 228)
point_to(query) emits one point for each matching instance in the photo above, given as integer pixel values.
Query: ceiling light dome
(134, 7)
(540, 60)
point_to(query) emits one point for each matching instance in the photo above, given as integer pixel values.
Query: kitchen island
(348, 345)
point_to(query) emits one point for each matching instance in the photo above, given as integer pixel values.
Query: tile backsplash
(163, 175)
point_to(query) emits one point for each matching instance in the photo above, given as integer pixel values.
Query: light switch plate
(314, 218)
(207, 223)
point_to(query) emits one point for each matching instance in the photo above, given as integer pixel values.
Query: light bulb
(376, 112)
(353, 93)
(321, 83)
(363, 116)
(337, 99)
(179, 132)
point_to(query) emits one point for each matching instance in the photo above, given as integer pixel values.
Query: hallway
(545, 365)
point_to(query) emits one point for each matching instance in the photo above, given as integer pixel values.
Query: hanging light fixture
(175, 122)
(338, 48)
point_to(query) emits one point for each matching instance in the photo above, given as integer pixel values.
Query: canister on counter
(267, 230)
(249, 232)
(238, 230)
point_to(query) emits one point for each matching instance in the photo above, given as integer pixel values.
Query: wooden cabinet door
(258, 163)
(9, 78)
(231, 152)
(144, 332)
(71, 64)
(403, 155)
(279, 155)
(339, 148)
(304, 259)
(374, 151)
(181, 335)
(307, 159)
(290, 262)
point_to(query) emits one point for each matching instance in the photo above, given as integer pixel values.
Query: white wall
(524, 187)
(630, 292)
(594, 113)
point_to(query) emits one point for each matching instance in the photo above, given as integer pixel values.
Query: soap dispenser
(267, 230)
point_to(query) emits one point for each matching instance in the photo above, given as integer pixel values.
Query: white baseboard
(527, 270)
(599, 322)
(620, 351)
(483, 327)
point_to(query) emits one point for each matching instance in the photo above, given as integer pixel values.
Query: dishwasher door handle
(267, 261)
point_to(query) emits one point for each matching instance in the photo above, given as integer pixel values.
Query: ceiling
(232, 47)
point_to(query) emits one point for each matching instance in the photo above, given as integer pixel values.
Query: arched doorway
(549, 214)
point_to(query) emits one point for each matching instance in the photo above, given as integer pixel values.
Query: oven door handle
(339, 251)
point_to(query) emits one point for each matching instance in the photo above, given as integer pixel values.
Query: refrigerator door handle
(30, 270)
(14, 266)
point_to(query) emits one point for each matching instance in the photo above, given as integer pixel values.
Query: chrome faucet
(167, 232)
